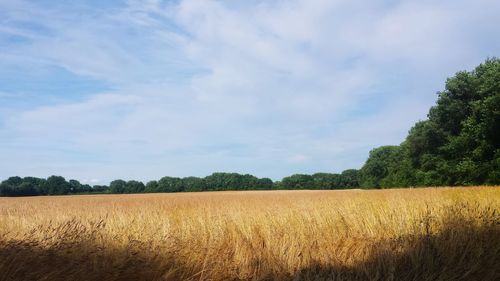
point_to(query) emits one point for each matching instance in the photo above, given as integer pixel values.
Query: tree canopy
(459, 143)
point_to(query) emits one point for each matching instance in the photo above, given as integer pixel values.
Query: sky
(100, 90)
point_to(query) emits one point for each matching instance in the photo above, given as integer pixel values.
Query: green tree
(100, 188)
(327, 181)
(75, 186)
(151, 186)
(134, 186)
(57, 185)
(350, 178)
(264, 184)
(170, 184)
(117, 186)
(193, 184)
(459, 143)
(298, 181)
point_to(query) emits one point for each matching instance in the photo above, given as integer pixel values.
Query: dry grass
(406, 234)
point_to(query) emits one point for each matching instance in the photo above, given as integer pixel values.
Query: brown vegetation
(410, 234)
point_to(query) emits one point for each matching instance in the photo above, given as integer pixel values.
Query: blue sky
(99, 90)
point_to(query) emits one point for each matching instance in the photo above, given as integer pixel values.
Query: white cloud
(201, 86)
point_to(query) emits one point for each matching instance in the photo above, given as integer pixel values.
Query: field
(400, 234)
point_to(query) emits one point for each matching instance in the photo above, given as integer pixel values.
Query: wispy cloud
(192, 87)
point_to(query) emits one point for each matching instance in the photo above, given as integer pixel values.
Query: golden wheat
(403, 234)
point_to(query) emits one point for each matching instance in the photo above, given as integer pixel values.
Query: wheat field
(399, 234)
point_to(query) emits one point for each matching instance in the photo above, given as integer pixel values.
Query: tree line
(57, 185)
(458, 144)
(53, 185)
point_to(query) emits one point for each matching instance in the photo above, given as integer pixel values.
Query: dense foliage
(459, 144)
(55, 185)
(347, 179)
(17, 186)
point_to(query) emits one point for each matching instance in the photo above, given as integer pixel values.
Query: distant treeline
(57, 185)
(459, 144)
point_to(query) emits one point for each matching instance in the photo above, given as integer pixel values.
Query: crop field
(398, 234)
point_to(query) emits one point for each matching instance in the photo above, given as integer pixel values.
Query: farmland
(396, 234)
